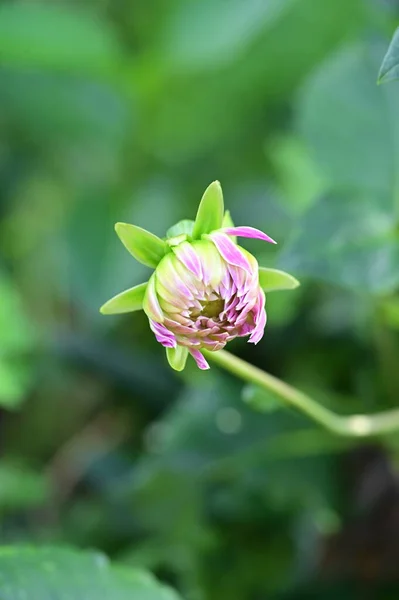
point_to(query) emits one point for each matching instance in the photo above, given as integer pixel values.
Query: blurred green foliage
(112, 110)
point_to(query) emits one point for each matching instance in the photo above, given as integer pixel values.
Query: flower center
(212, 308)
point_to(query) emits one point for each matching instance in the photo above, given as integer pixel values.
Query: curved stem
(360, 426)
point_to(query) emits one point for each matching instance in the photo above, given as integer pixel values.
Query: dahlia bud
(205, 290)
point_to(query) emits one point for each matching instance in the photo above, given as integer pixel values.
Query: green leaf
(389, 69)
(341, 110)
(182, 227)
(177, 357)
(22, 487)
(346, 240)
(210, 211)
(49, 573)
(228, 28)
(56, 36)
(146, 247)
(271, 280)
(127, 301)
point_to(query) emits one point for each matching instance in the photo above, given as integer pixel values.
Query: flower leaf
(272, 280)
(210, 211)
(146, 247)
(177, 357)
(390, 65)
(127, 301)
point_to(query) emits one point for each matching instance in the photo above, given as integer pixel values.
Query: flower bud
(205, 290)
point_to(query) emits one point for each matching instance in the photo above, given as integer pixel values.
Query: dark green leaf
(347, 241)
(342, 111)
(389, 69)
(50, 573)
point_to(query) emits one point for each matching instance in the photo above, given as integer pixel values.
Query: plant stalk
(353, 426)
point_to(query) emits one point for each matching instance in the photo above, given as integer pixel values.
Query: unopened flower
(205, 290)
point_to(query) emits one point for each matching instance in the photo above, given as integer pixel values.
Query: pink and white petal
(248, 232)
(199, 359)
(257, 333)
(229, 251)
(189, 258)
(151, 304)
(260, 318)
(163, 335)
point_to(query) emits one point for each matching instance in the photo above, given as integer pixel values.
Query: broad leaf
(210, 211)
(271, 280)
(347, 241)
(341, 111)
(177, 357)
(50, 573)
(127, 301)
(146, 247)
(390, 65)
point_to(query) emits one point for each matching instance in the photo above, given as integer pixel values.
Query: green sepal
(210, 211)
(272, 280)
(127, 301)
(228, 222)
(182, 227)
(177, 357)
(146, 247)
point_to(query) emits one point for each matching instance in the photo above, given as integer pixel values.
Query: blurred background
(125, 110)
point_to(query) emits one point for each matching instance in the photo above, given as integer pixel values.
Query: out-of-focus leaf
(21, 487)
(260, 399)
(298, 176)
(63, 109)
(271, 280)
(347, 241)
(390, 311)
(127, 301)
(212, 32)
(351, 124)
(14, 382)
(227, 27)
(267, 72)
(46, 573)
(389, 69)
(16, 339)
(56, 36)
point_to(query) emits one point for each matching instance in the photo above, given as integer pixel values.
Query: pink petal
(188, 256)
(163, 335)
(229, 251)
(199, 359)
(260, 319)
(151, 304)
(248, 232)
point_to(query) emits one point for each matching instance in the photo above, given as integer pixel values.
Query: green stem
(359, 426)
